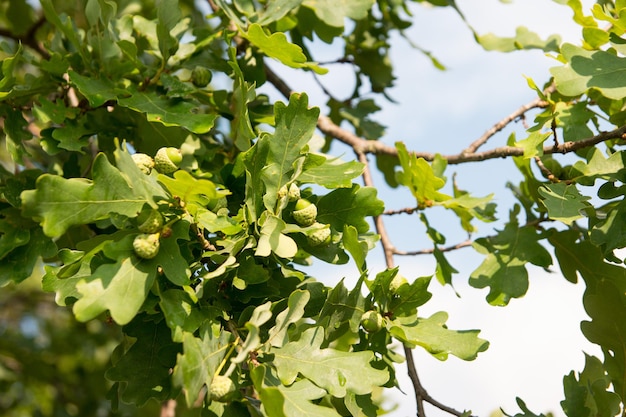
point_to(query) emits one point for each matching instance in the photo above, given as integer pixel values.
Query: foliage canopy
(173, 209)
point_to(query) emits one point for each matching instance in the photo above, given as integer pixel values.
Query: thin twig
(168, 408)
(517, 114)
(420, 391)
(460, 245)
(379, 224)
(406, 210)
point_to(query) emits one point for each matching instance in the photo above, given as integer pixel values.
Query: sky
(535, 340)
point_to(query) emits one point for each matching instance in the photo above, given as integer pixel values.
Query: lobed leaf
(60, 203)
(564, 202)
(585, 69)
(336, 371)
(433, 335)
(288, 401)
(278, 47)
(121, 288)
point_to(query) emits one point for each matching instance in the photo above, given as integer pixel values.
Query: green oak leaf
(190, 189)
(65, 25)
(333, 13)
(145, 376)
(402, 301)
(7, 68)
(504, 268)
(254, 160)
(73, 135)
(563, 201)
(506, 279)
(60, 203)
(18, 264)
(76, 266)
(433, 335)
(533, 144)
(278, 47)
(200, 359)
(588, 395)
(292, 401)
(273, 240)
(275, 10)
(168, 16)
(336, 371)
(214, 223)
(574, 120)
(600, 166)
(419, 176)
(444, 270)
(610, 233)
(349, 206)
(467, 208)
(329, 172)
(249, 272)
(243, 93)
(295, 311)
(585, 69)
(145, 186)
(295, 124)
(584, 258)
(173, 265)
(603, 305)
(16, 132)
(96, 90)
(260, 315)
(120, 287)
(357, 248)
(343, 308)
(169, 112)
(523, 39)
(181, 311)
(12, 233)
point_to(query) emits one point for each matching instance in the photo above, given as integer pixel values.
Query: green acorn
(146, 245)
(372, 321)
(396, 283)
(201, 77)
(305, 212)
(220, 388)
(167, 160)
(149, 221)
(144, 162)
(319, 237)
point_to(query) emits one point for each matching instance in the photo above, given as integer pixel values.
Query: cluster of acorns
(150, 222)
(372, 321)
(305, 214)
(166, 161)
